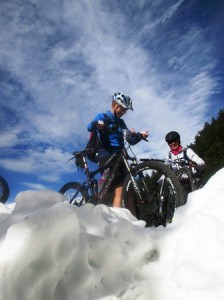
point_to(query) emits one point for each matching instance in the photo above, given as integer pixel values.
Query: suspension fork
(162, 186)
(134, 183)
(162, 189)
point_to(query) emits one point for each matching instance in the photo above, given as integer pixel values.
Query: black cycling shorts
(121, 172)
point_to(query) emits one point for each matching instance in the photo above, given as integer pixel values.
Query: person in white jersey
(178, 152)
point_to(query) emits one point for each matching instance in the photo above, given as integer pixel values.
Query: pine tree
(209, 144)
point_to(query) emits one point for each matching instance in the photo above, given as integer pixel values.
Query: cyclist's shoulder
(190, 154)
(110, 117)
(188, 150)
(106, 117)
(101, 116)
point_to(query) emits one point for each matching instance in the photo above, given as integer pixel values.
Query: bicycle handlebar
(112, 129)
(81, 153)
(179, 161)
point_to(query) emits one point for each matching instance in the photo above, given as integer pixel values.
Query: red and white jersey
(190, 155)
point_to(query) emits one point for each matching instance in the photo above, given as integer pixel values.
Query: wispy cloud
(47, 164)
(61, 61)
(34, 186)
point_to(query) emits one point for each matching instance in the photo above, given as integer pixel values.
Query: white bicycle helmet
(123, 100)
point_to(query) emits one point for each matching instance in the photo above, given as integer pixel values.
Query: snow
(52, 250)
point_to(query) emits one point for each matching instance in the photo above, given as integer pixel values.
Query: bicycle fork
(134, 183)
(162, 191)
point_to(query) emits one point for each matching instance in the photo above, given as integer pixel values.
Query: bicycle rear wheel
(75, 194)
(4, 190)
(152, 193)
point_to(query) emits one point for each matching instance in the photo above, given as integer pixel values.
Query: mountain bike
(4, 190)
(151, 191)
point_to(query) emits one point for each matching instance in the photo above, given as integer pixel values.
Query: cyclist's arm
(92, 125)
(133, 138)
(198, 161)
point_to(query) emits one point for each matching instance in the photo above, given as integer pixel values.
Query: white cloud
(71, 56)
(34, 186)
(9, 138)
(46, 164)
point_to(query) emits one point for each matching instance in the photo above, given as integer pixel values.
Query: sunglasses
(173, 142)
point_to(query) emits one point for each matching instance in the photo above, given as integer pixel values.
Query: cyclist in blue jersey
(112, 140)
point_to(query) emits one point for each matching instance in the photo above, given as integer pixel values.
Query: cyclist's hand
(192, 164)
(100, 125)
(144, 134)
(168, 161)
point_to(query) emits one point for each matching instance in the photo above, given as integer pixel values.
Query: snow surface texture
(51, 250)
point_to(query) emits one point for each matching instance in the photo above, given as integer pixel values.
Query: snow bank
(52, 250)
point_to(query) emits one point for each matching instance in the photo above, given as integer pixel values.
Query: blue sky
(61, 61)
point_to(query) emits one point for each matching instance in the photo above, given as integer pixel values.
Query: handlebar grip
(139, 134)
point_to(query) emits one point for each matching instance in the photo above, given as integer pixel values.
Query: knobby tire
(150, 176)
(74, 193)
(4, 190)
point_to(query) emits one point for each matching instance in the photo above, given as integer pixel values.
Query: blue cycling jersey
(114, 139)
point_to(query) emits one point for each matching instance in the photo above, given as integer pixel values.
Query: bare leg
(117, 197)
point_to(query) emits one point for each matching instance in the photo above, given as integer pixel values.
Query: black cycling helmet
(172, 136)
(123, 100)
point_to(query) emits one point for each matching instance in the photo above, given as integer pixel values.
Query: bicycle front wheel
(4, 190)
(152, 193)
(75, 194)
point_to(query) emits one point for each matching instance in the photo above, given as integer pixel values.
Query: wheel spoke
(74, 193)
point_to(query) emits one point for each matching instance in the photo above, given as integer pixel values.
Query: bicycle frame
(150, 189)
(91, 184)
(121, 156)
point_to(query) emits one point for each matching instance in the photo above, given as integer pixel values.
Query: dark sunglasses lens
(171, 142)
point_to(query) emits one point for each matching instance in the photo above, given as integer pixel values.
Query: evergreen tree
(209, 144)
